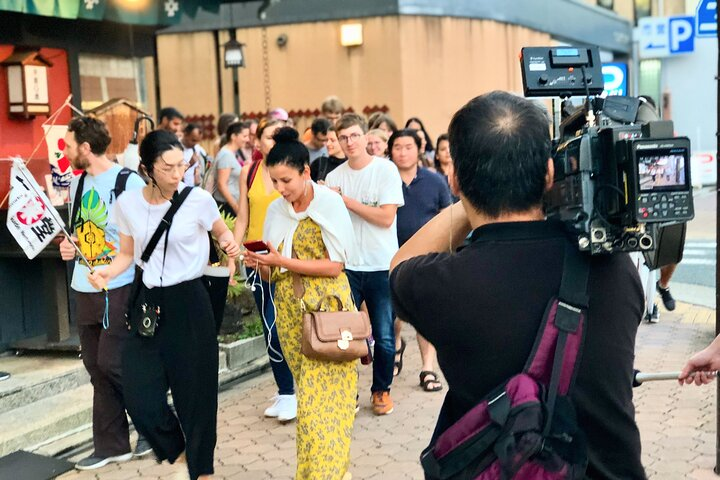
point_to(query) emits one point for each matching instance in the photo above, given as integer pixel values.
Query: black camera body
(619, 179)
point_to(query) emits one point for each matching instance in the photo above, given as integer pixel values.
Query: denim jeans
(374, 289)
(281, 370)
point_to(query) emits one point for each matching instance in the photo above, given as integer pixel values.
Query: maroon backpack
(526, 428)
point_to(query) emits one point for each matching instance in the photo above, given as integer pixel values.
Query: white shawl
(328, 210)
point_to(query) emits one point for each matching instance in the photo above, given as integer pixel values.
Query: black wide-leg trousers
(181, 356)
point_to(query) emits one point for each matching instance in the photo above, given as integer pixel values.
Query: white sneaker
(284, 408)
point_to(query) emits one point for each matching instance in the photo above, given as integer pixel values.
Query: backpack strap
(121, 182)
(322, 168)
(165, 223)
(556, 354)
(76, 203)
(254, 166)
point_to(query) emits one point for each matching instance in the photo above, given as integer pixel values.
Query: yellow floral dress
(325, 390)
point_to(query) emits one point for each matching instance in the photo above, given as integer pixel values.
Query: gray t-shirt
(315, 154)
(226, 159)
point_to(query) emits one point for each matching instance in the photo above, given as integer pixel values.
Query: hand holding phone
(257, 246)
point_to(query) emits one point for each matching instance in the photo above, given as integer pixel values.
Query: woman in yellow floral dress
(313, 233)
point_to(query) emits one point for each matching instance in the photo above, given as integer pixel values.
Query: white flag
(31, 219)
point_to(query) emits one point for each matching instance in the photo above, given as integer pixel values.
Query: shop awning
(136, 12)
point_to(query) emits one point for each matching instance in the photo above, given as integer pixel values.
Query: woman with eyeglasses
(181, 352)
(256, 195)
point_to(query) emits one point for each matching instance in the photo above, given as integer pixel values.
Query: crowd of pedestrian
(325, 215)
(332, 205)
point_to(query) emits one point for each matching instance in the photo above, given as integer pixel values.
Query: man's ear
(454, 184)
(550, 175)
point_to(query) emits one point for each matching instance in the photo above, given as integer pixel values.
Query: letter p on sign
(682, 34)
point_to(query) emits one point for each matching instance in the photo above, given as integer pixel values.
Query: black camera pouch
(148, 320)
(142, 316)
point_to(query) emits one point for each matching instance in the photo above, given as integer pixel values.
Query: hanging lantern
(27, 82)
(234, 55)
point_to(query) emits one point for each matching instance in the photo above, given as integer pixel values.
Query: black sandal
(399, 362)
(425, 382)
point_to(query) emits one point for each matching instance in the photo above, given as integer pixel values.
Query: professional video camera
(622, 179)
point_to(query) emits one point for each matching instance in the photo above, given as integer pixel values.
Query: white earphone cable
(253, 282)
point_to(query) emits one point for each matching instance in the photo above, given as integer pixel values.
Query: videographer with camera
(496, 289)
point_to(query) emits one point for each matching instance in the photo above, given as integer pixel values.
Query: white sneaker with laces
(284, 408)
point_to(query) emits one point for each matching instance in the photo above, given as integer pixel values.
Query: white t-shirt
(188, 246)
(189, 177)
(377, 184)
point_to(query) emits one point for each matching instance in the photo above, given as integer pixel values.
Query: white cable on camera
(253, 282)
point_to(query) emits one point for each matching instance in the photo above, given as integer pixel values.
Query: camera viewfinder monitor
(662, 181)
(662, 170)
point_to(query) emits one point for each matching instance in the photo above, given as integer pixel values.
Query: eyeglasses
(353, 136)
(165, 167)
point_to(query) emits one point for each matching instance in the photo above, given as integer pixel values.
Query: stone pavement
(677, 424)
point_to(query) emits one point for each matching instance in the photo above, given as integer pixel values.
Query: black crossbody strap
(76, 203)
(572, 305)
(165, 223)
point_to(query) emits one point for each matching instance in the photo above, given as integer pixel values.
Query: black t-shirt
(324, 165)
(481, 309)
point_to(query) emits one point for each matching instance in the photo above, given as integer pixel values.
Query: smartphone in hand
(257, 246)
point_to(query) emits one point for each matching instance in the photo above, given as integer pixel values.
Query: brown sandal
(399, 362)
(426, 382)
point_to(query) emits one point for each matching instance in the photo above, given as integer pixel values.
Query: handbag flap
(330, 325)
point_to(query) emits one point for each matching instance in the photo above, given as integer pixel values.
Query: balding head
(500, 145)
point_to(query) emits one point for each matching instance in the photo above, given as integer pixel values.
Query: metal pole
(218, 71)
(236, 79)
(717, 282)
(236, 91)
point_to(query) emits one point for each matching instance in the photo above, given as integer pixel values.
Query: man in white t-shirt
(194, 154)
(372, 190)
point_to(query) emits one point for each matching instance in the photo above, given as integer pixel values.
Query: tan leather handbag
(338, 336)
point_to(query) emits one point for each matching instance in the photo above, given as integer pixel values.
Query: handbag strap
(299, 291)
(164, 225)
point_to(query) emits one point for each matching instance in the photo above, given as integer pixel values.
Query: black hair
(500, 146)
(92, 131)
(405, 132)
(170, 113)
(225, 120)
(442, 138)
(190, 127)
(428, 141)
(235, 128)
(288, 150)
(648, 99)
(320, 125)
(154, 145)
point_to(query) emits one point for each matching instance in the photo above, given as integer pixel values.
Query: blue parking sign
(706, 19)
(681, 35)
(615, 79)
